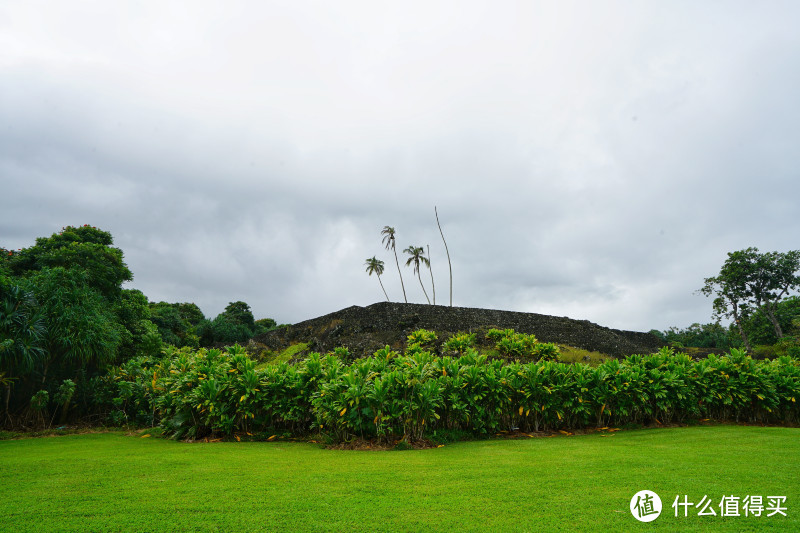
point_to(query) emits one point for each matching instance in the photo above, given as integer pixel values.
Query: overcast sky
(594, 160)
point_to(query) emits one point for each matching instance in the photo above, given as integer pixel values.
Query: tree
(178, 323)
(776, 276)
(749, 282)
(82, 328)
(168, 320)
(731, 289)
(140, 336)
(389, 241)
(448, 255)
(72, 316)
(264, 325)
(84, 247)
(375, 265)
(712, 335)
(83, 257)
(239, 313)
(22, 331)
(234, 324)
(761, 330)
(417, 256)
(224, 330)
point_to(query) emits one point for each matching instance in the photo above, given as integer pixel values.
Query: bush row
(220, 392)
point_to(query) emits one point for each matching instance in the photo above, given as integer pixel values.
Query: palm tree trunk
(431, 271)
(401, 274)
(448, 255)
(384, 290)
(423, 287)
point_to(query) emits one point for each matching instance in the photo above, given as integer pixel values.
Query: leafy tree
(140, 336)
(86, 248)
(171, 327)
(712, 335)
(776, 276)
(79, 317)
(389, 241)
(190, 313)
(81, 328)
(417, 257)
(759, 326)
(239, 313)
(178, 323)
(234, 324)
(750, 281)
(731, 289)
(264, 325)
(375, 265)
(224, 330)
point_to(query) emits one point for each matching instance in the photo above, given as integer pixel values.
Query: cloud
(590, 161)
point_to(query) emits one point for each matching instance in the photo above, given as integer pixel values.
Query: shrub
(511, 344)
(393, 396)
(423, 337)
(460, 342)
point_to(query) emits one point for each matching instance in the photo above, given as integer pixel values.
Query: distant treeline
(757, 326)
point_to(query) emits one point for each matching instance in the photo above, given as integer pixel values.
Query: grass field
(114, 481)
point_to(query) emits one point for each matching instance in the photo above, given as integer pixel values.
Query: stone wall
(364, 329)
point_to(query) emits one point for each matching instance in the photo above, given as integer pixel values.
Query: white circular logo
(645, 506)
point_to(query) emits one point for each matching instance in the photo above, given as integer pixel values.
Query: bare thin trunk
(431, 271)
(401, 274)
(448, 255)
(384, 290)
(423, 287)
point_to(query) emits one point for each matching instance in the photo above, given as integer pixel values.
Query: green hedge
(388, 395)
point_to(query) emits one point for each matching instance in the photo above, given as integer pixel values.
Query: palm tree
(376, 265)
(23, 330)
(417, 254)
(388, 240)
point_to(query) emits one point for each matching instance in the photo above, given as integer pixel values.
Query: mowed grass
(114, 481)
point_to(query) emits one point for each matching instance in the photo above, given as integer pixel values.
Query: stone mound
(366, 329)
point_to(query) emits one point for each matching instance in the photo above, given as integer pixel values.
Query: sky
(595, 160)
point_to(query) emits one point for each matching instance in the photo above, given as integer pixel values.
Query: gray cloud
(590, 161)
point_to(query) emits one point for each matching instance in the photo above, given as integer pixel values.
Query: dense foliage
(750, 281)
(76, 345)
(65, 317)
(757, 327)
(214, 392)
(712, 335)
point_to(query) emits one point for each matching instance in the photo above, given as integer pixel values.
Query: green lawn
(583, 483)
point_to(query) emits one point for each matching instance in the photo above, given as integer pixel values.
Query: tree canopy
(749, 282)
